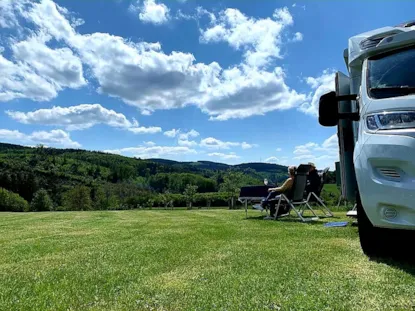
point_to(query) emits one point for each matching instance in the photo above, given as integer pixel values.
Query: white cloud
(54, 138)
(298, 36)
(183, 137)
(59, 66)
(213, 143)
(191, 133)
(149, 143)
(304, 149)
(172, 133)
(321, 85)
(272, 160)
(145, 130)
(278, 149)
(245, 145)
(185, 142)
(202, 12)
(9, 11)
(260, 39)
(37, 71)
(146, 112)
(17, 80)
(134, 7)
(80, 117)
(225, 156)
(244, 92)
(153, 151)
(323, 155)
(142, 75)
(151, 12)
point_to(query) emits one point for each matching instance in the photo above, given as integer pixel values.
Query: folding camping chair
(295, 199)
(314, 197)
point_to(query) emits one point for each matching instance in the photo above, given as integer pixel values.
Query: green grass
(190, 260)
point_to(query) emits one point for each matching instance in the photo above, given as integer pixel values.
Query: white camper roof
(364, 44)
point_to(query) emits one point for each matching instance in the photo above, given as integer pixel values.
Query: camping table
(245, 200)
(253, 194)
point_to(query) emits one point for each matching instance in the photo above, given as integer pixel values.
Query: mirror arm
(354, 116)
(346, 97)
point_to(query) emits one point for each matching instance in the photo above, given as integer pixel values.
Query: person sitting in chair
(273, 196)
(313, 180)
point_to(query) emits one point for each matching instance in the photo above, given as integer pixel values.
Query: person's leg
(270, 196)
(273, 205)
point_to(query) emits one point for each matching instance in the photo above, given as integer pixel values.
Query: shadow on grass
(401, 261)
(398, 252)
(287, 219)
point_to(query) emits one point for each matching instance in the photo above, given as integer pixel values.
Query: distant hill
(24, 170)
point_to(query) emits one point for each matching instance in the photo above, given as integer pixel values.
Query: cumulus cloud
(172, 133)
(80, 117)
(272, 160)
(224, 156)
(186, 135)
(260, 39)
(37, 71)
(321, 85)
(245, 145)
(146, 152)
(149, 143)
(298, 36)
(59, 66)
(145, 130)
(149, 11)
(9, 13)
(214, 143)
(305, 149)
(58, 138)
(323, 155)
(185, 142)
(183, 137)
(142, 75)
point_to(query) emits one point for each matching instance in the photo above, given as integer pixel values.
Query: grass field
(190, 260)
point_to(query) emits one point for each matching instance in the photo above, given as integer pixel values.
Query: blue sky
(225, 81)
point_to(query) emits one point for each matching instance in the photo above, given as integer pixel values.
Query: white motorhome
(373, 108)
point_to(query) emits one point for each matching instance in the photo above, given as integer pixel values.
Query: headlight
(391, 120)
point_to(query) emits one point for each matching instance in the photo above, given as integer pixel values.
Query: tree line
(40, 179)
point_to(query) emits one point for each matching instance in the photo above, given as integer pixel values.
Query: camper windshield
(392, 74)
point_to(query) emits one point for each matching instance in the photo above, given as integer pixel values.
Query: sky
(224, 81)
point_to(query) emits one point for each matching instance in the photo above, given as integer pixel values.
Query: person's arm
(285, 186)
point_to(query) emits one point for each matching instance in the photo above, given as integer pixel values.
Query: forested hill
(25, 170)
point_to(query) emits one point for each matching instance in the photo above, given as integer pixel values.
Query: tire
(381, 242)
(372, 239)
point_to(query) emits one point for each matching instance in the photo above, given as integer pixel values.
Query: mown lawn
(190, 260)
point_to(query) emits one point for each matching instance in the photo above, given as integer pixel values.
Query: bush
(12, 202)
(77, 199)
(41, 202)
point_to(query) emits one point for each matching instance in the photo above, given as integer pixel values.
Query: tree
(189, 193)
(100, 201)
(12, 202)
(77, 199)
(41, 202)
(232, 183)
(165, 199)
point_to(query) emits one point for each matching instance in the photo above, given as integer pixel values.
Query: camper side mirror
(328, 110)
